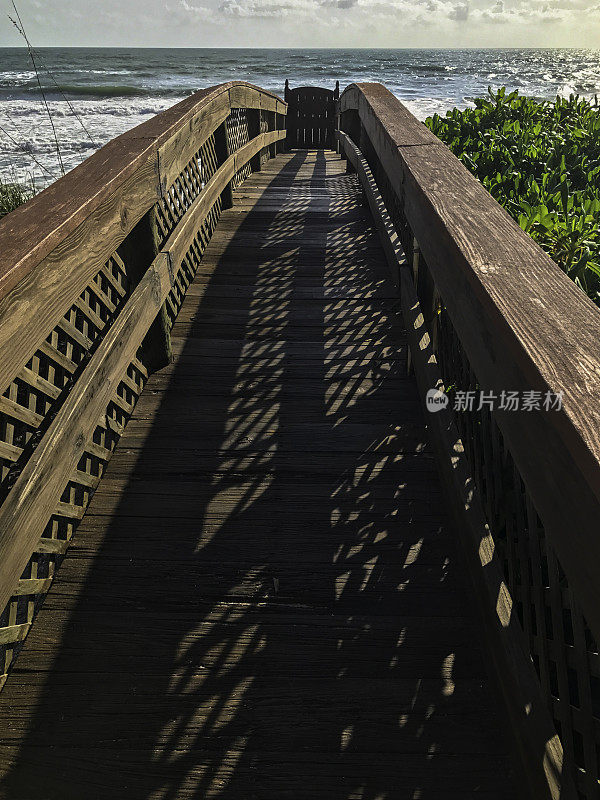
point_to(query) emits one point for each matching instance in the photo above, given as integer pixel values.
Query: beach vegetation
(12, 195)
(541, 161)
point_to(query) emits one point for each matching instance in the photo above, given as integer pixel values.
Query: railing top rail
(31, 232)
(522, 322)
(97, 267)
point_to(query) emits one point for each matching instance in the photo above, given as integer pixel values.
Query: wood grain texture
(264, 600)
(53, 245)
(195, 122)
(30, 233)
(179, 241)
(32, 309)
(31, 501)
(246, 95)
(534, 737)
(523, 324)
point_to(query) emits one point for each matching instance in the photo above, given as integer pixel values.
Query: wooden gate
(311, 116)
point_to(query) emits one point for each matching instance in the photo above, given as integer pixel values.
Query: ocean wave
(116, 90)
(432, 69)
(101, 91)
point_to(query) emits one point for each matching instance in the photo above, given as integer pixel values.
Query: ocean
(107, 91)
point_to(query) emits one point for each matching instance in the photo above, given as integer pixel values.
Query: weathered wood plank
(54, 245)
(30, 233)
(523, 324)
(535, 739)
(31, 310)
(25, 511)
(267, 774)
(283, 621)
(179, 242)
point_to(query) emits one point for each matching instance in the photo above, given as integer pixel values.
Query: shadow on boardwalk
(263, 599)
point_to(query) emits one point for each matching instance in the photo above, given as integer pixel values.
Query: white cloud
(267, 8)
(191, 9)
(521, 13)
(460, 12)
(339, 3)
(306, 23)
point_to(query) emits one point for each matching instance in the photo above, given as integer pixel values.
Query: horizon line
(273, 49)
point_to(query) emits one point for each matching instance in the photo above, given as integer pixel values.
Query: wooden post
(336, 123)
(287, 95)
(280, 125)
(271, 126)
(253, 132)
(336, 98)
(350, 123)
(222, 151)
(138, 251)
(416, 257)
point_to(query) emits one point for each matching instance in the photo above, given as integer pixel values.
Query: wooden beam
(30, 233)
(175, 154)
(32, 500)
(50, 287)
(138, 251)
(538, 748)
(222, 151)
(54, 245)
(181, 238)
(523, 323)
(246, 95)
(33, 230)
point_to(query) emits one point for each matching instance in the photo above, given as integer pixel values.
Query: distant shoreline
(259, 48)
(116, 88)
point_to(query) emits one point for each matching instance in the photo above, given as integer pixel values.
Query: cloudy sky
(307, 23)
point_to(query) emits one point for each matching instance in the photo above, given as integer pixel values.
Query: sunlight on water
(114, 90)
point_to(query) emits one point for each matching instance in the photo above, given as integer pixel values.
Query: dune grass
(12, 195)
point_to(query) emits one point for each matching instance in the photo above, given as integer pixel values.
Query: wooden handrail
(523, 324)
(496, 314)
(87, 266)
(36, 228)
(535, 742)
(92, 209)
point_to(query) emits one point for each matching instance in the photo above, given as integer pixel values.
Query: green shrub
(541, 161)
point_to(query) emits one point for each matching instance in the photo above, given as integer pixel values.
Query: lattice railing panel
(18, 616)
(28, 406)
(32, 400)
(190, 263)
(185, 189)
(238, 134)
(562, 649)
(36, 393)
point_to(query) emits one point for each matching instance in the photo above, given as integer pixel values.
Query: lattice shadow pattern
(30, 403)
(562, 648)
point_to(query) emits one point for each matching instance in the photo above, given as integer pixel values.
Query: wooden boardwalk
(264, 600)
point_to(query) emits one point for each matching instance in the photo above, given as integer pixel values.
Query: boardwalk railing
(488, 311)
(93, 272)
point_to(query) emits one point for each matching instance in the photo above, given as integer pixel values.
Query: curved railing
(93, 272)
(488, 310)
